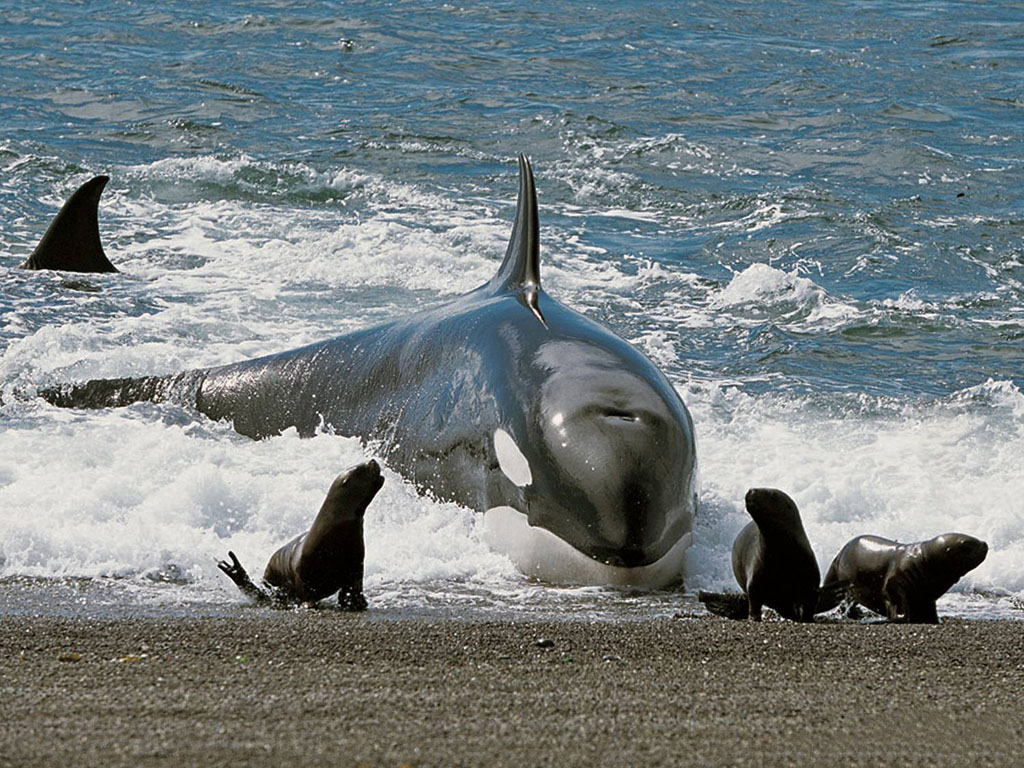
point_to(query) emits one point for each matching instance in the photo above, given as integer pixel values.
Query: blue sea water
(810, 215)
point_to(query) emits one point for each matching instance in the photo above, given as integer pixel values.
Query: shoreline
(323, 687)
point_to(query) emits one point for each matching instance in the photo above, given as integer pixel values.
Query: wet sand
(325, 688)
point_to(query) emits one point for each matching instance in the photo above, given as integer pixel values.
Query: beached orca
(72, 243)
(503, 400)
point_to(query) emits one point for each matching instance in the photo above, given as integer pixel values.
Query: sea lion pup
(773, 563)
(328, 558)
(903, 581)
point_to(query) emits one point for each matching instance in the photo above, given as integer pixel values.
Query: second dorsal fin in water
(520, 270)
(72, 243)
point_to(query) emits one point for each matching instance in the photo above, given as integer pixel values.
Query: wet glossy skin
(608, 441)
(602, 443)
(773, 560)
(903, 581)
(596, 445)
(329, 556)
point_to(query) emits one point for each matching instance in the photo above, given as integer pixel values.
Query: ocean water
(810, 215)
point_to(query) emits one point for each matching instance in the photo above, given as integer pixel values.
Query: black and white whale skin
(72, 241)
(504, 401)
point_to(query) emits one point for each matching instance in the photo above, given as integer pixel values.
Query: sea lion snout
(360, 482)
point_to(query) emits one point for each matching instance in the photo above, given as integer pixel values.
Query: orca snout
(622, 474)
(629, 520)
(614, 473)
(628, 558)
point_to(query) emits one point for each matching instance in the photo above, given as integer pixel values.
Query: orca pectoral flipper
(72, 242)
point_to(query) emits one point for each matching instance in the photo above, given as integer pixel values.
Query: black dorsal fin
(72, 243)
(520, 270)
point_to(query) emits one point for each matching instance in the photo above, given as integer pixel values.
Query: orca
(573, 444)
(72, 242)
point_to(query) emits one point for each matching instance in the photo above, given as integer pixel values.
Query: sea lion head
(354, 489)
(929, 568)
(772, 508)
(958, 552)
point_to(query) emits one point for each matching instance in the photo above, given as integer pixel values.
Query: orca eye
(617, 413)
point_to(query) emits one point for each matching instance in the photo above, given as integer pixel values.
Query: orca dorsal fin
(520, 270)
(72, 243)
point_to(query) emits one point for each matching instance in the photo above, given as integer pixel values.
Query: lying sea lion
(328, 558)
(773, 563)
(903, 581)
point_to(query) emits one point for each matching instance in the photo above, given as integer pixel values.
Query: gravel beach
(325, 688)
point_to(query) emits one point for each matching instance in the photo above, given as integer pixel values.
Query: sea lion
(773, 563)
(903, 581)
(773, 560)
(328, 558)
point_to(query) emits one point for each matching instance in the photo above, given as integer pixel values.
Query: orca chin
(542, 555)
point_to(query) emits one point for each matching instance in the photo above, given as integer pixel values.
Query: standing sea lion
(773, 560)
(773, 563)
(903, 581)
(328, 558)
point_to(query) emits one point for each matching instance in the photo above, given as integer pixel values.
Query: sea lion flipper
(240, 576)
(729, 605)
(352, 599)
(831, 594)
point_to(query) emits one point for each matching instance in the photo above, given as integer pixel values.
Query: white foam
(542, 555)
(129, 494)
(763, 284)
(150, 490)
(896, 470)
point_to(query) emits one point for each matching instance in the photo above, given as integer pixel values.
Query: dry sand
(325, 688)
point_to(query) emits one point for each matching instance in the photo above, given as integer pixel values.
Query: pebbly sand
(325, 688)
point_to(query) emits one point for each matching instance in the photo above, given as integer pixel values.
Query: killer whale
(503, 400)
(72, 241)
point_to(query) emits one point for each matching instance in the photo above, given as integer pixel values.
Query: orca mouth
(542, 555)
(625, 558)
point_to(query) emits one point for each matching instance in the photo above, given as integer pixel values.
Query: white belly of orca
(542, 555)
